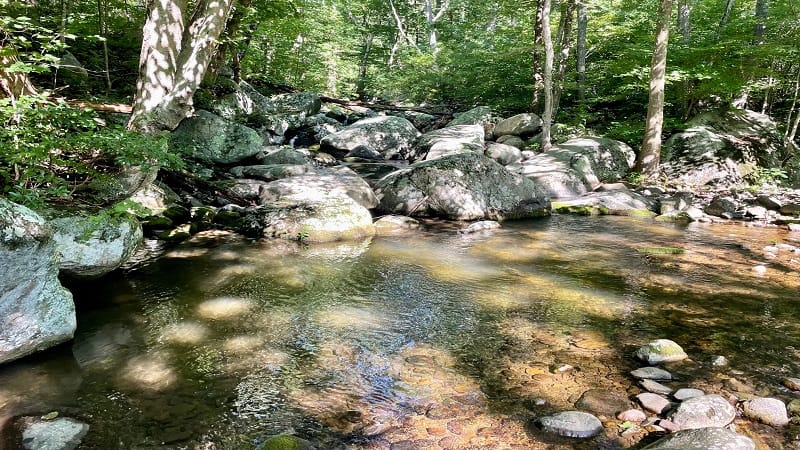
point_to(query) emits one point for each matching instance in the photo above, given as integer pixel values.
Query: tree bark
(15, 84)
(650, 155)
(564, 45)
(760, 28)
(547, 117)
(791, 129)
(538, 47)
(176, 51)
(432, 19)
(103, 31)
(725, 16)
(580, 56)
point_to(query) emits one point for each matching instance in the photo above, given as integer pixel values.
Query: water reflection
(429, 340)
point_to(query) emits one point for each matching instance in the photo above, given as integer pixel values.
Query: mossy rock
(285, 442)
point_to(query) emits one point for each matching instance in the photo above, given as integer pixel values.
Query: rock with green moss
(213, 139)
(285, 442)
(480, 115)
(618, 203)
(36, 312)
(92, 246)
(466, 186)
(660, 351)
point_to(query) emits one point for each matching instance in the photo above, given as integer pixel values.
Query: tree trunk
(432, 19)
(580, 56)
(401, 31)
(228, 52)
(564, 45)
(762, 9)
(685, 30)
(176, 51)
(14, 84)
(725, 16)
(547, 118)
(793, 108)
(650, 154)
(361, 84)
(103, 32)
(538, 47)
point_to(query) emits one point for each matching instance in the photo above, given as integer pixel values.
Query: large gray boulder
(480, 115)
(449, 141)
(62, 433)
(465, 186)
(92, 246)
(334, 180)
(36, 312)
(310, 215)
(392, 137)
(214, 139)
(578, 166)
(703, 439)
(526, 124)
(703, 412)
(723, 147)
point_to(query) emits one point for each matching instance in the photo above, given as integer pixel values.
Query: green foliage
(54, 152)
(767, 177)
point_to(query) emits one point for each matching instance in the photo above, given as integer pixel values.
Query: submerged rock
(616, 203)
(603, 401)
(465, 186)
(703, 439)
(660, 351)
(59, 434)
(92, 246)
(36, 312)
(285, 442)
(575, 424)
(391, 224)
(703, 412)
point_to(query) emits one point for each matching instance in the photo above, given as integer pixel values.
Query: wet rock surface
(574, 424)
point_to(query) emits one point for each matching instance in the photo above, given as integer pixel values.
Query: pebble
(770, 411)
(703, 412)
(651, 373)
(719, 361)
(660, 351)
(792, 383)
(760, 270)
(575, 424)
(684, 394)
(632, 415)
(653, 402)
(703, 439)
(655, 387)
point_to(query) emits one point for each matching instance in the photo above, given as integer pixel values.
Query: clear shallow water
(431, 340)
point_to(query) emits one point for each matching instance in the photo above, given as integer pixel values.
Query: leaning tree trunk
(564, 45)
(725, 16)
(580, 51)
(176, 51)
(650, 154)
(547, 117)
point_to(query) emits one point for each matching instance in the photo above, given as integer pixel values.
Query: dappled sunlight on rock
(186, 253)
(184, 333)
(224, 308)
(148, 373)
(242, 344)
(244, 360)
(336, 251)
(347, 317)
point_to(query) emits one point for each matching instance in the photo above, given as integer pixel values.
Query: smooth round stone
(603, 402)
(703, 412)
(632, 415)
(651, 373)
(684, 394)
(703, 439)
(660, 351)
(770, 411)
(655, 387)
(792, 383)
(653, 402)
(575, 424)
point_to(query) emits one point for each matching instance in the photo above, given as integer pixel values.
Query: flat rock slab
(703, 439)
(574, 424)
(703, 412)
(687, 393)
(770, 411)
(660, 351)
(655, 387)
(58, 434)
(653, 402)
(603, 401)
(651, 373)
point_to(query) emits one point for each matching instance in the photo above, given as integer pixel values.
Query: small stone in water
(687, 393)
(651, 373)
(659, 351)
(572, 424)
(770, 411)
(632, 415)
(792, 383)
(719, 361)
(653, 402)
(656, 387)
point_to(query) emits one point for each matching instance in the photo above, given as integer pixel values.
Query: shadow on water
(435, 340)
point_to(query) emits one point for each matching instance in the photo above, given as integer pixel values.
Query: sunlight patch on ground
(224, 308)
(185, 333)
(186, 253)
(149, 373)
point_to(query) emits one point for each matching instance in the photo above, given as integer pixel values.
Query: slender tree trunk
(650, 154)
(580, 57)
(762, 10)
(432, 19)
(547, 118)
(564, 45)
(538, 48)
(685, 30)
(725, 16)
(793, 108)
(361, 84)
(401, 29)
(176, 51)
(103, 31)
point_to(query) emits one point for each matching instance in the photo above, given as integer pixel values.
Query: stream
(432, 339)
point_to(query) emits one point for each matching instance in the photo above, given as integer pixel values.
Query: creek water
(427, 340)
